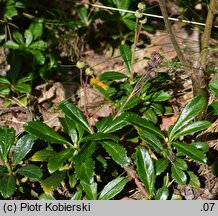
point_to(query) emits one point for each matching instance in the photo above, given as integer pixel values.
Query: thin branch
(178, 50)
(207, 33)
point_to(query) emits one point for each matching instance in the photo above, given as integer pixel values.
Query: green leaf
(44, 132)
(46, 197)
(126, 55)
(39, 57)
(30, 171)
(7, 186)
(53, 181)
(145, 169)
(214, 85)
(144, 124)
(151, 140)
(23, 88)
(7, 138)
(179, 176)
(29, 37)
(3, 170)
(188, 113)
(204, 147)
(181, 164)
(113, 188)
(22, 148)
(18, 37)
(162, 193)
(42, 155)
(37, 29)
(161, 165)
(150, 115)
(12, 45)
(111, 75)
(10, 11)
(56, 161)
(77, 195)
(192, 128)
(117, 152)
(162, 96)
(124, 4)
(85, 152)
(83, 13)
(109, 125)
(99, 137)
(194, 180)
(191, 151)
(130, 24)
(72, 112)
(4, 80)
(39, 45)
(85, 170)
(90, 190)
(27, 78)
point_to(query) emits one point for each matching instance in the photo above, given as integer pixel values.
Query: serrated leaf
(12, 45)
(37, 29)
(39, 57)
(72, 112)
(130, 24)
(151, 140)
(44, 132)
(22, 148)
(188, 113)
(162, 96)
(113, 188)
(194, 180)
(10, 11)
(111, 75)
(30, 171)
(56, 161)
(161, 165)
(117, 152)
(85, 170)
(145, 169)
(85, 152)
(29, 37)
(18, 37)
(52, 182)
(162, 193)
(83, 13)
(39, 45)
(4, 80)
(23, 88)
(42, 155)
(144, 124)
(179, 175)
(204, 147)
(192, 128)
(191, 151)
(126, 55)
(7, 138)
(7, 186)
(109, 125)
(150, 115)
(99, 137)
(90, 190)
(181, 164)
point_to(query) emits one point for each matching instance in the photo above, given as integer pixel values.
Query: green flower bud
(143, 21)
(141, 5)
(80, 64)
(88, 72)
(138, 14)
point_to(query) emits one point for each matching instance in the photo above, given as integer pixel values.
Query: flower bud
(80, 64)
(88, 71)
(141, 5)
(143, 21)
(138, 14)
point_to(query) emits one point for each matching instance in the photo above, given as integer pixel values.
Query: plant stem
(133, 50)
(207, 33)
